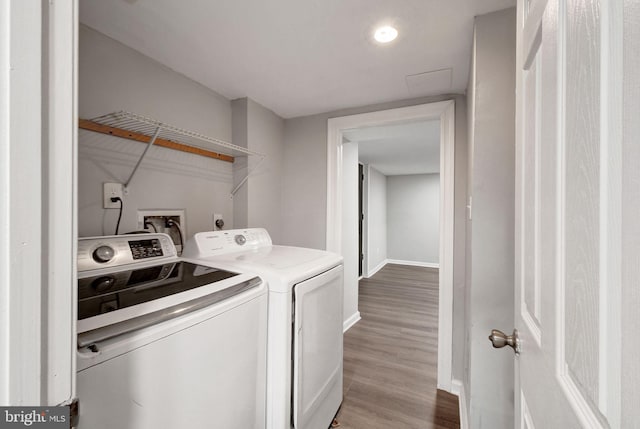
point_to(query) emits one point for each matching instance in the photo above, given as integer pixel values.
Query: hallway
(390, 356)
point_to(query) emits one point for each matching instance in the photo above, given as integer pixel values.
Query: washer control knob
(103, 254)
(104, 283)
(240, 239)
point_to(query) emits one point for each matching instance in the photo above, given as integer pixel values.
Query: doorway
(399, 175)
(444, 112)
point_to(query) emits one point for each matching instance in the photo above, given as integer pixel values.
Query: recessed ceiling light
(385, 34)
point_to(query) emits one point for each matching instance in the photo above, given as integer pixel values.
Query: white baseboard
(355, 318)
(378, 268)
(457, 388)
(414, 263)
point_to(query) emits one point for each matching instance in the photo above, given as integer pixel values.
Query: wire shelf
(137, 127)
(148, 127)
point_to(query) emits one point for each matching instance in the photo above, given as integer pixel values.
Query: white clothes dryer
(304, 334)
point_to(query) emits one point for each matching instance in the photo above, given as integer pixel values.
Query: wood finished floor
(390, 355)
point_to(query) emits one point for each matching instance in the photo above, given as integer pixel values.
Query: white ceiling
(301, 57)
(411, 148)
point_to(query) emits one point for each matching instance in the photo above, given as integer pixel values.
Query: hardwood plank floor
(390, 356)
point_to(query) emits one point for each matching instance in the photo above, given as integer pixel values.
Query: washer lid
(103, 293)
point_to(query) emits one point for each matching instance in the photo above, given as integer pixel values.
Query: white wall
(350, 230)
(413, 215)
(304, 192)
(377, 222)
(489, 381)
(114, 77)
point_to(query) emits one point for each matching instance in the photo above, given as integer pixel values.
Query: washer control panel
(143, 249)
(117, 250)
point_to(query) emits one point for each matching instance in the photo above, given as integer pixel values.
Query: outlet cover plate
(112, 190)
(217, 216)
(180, 213)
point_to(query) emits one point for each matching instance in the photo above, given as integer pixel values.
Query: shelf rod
(239, 185)
(151, 142)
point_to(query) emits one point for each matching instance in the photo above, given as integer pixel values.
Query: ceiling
(301, 57)
(410, 148)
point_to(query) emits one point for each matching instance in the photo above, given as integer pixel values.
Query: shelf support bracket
(242, 182)
(151, 142)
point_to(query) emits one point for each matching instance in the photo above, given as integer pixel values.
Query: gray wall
(489, 381)
(258, 202)
(304, 192)
(413, 218)
(304, 182)
(377, 221)
(113, 77)
(240, 137)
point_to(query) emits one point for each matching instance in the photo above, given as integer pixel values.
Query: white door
(577, 294)
(317, 350)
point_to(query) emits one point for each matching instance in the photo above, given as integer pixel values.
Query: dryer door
(317, 350)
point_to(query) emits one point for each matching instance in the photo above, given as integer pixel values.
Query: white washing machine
(167, 342)
(304, 340)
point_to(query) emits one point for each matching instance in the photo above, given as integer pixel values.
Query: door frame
(361, 211)
(38, 124)
(445, 112)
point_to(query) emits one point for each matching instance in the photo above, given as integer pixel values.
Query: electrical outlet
(217, 226)
(112, 190)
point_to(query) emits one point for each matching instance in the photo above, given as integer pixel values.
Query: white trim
(526, 421)
(611, 118)
(575, 397)
(457, 388)
(447, 214)
(352, 320)
(561, 195)
(530, 312)
(38, 211)
(5, 185)
(60, 237)
(537, 180)
(414, 263)
(22, 331)
(445, 112)
(531, 322)
(376, 269)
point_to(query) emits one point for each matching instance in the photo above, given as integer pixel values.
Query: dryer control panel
(117, 250)
(212, 243)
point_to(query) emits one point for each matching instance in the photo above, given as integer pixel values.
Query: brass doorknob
(499, 339)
